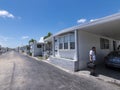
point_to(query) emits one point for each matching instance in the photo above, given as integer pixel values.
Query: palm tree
(48, 35)
(31, 41)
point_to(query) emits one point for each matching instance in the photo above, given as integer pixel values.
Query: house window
(61, 43)
(72, 41)
(39, 46)
(104, 43)
(66, 42)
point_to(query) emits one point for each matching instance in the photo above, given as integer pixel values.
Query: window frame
(66, 43)
(61, 43)
(39, 46)
(70, 41)
(104, 43)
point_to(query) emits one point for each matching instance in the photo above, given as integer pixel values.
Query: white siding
(36, 51)
(67, 54)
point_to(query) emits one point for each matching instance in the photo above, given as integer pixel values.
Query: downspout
(76, 50)
(53, 46)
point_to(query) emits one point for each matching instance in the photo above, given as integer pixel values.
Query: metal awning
(108, 26)
(109, 29)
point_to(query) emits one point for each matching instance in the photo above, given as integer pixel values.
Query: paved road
(19, 72)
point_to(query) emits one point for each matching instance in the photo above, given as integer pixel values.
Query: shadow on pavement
(109, 72)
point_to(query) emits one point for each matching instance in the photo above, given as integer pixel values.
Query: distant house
(37, 48)
(23, 49)
(17, 49)
(3, 49)
(0, 49)
(70, 47)
(48, 47)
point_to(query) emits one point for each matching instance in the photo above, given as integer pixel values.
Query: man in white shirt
(92, 55)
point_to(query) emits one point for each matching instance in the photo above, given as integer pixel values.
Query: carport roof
(108, 26)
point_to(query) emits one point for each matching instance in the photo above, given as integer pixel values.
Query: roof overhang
(108, 26)
(49, 39)
(109, 29)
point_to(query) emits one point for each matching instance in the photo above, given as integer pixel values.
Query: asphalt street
(20, 72)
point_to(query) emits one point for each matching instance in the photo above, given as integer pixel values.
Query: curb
(110, 80)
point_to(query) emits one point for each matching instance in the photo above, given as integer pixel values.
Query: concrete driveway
(111, 75)
(20, 72)
(109, 72)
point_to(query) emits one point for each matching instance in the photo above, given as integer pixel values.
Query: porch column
(53, 46)
(76, 45)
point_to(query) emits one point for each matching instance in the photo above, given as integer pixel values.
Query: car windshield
(115, 54)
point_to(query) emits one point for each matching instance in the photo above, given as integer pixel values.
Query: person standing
(92, 56)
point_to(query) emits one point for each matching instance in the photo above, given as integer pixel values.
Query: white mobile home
(3, 49)
(37, 48)
(71, 46)
(23, 49)
(48, 46)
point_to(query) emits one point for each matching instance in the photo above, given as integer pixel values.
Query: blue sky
(21, 20)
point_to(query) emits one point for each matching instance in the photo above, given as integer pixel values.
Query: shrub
(30, 54)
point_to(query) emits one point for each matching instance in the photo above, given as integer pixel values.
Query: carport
(92, 33)
(108, 27)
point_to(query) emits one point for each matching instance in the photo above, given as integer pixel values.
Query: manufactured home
(71, 46)
(48, 46)
(23, 49)
(3, 49)
(37, 48)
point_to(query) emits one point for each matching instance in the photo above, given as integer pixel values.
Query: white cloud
(5, 40)
(6, 14)
(92, 20)
(82, 20)
(25, 37)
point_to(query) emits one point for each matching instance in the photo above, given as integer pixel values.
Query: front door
(56, 47)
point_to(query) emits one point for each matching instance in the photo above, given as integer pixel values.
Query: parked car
(113, 59)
